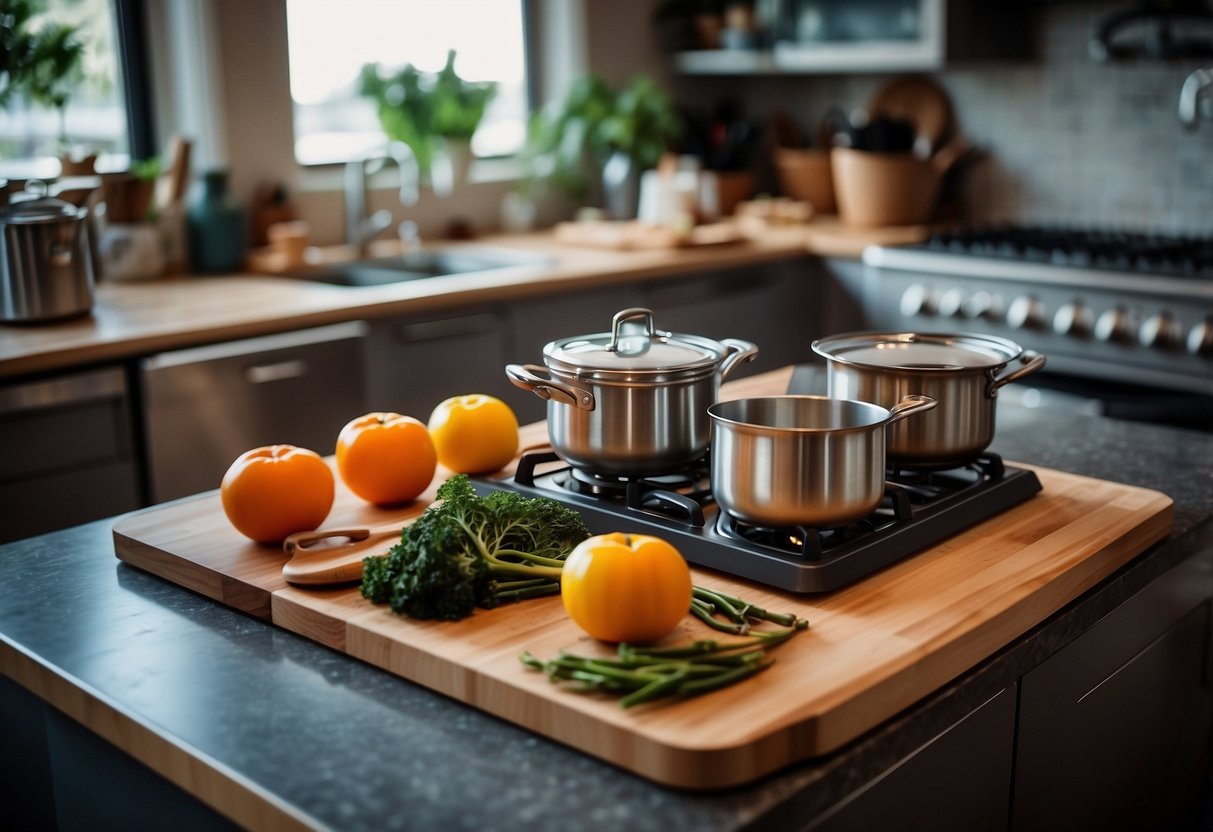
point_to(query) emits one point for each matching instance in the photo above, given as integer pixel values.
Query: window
(33, 136)
(331, 40)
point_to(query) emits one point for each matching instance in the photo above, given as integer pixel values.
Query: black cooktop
(1163, 254)
(918, 510)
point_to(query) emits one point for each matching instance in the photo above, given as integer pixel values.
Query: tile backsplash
(1063, 139)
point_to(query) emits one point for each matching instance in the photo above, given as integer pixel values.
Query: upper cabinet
(845, 36)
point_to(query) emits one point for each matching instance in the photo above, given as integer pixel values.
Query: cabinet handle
(278, 371)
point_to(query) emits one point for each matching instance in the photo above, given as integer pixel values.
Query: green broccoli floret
(467, 551)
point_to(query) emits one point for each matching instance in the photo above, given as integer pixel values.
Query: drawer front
(66, 452)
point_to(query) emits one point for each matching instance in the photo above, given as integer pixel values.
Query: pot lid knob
(618, 331)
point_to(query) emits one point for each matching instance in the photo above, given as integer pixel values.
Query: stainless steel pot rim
(722, 413)
(991, 351)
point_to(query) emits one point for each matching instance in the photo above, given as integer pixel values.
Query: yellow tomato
(474, 434)
(621, 587)
(276, 490)
(386, 458)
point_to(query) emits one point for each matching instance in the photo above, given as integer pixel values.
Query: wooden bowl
(883, 189)
(806, 175)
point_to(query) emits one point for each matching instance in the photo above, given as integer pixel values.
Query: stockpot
(960, 371)
(46, 262)
(632, 401)
(802, 460)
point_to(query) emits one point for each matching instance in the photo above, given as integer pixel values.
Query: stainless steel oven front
(1127, 324)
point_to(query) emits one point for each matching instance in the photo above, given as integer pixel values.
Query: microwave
(893, 35)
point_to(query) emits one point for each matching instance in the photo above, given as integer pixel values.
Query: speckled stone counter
(311, 737)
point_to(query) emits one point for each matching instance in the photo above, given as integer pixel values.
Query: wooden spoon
(316, 560)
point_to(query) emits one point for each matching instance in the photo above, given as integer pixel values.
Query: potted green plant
(596, 133)
(434, 113)
(39, 66)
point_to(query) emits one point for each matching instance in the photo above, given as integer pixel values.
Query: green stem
(655, 689)
(522, 593)
(526, 557)
(703, 614)
(722, 603)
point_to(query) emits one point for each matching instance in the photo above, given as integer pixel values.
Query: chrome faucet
(1196, 85)
(361, 228)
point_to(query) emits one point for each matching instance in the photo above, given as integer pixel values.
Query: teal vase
(218, 234)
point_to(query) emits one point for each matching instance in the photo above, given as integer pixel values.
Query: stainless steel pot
(802, 460)
(632, 401)
(46, 261)
(960, 371)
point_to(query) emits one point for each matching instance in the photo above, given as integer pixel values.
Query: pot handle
(908, 406)
(736, 351)
(1032, 361)
(524, 376)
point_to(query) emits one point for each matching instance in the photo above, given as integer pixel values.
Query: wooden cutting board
(873, 648)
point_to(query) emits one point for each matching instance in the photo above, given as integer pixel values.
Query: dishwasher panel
(204, 407)
(66, 452)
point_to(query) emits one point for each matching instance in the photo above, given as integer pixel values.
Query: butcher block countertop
(140, 318)
(277, 731)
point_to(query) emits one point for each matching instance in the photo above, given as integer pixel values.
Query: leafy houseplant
(43, 65)
(595, 125)
(423, 108)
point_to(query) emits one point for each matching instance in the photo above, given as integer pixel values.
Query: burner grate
(1175, 255)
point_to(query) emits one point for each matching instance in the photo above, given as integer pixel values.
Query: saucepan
(802, 460)
(963, 372)
(632, 401)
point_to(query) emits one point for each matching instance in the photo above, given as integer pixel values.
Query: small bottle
(218, 235)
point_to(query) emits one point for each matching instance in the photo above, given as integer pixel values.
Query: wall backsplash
(1064, 139)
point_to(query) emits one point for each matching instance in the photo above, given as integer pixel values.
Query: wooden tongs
(334, 556)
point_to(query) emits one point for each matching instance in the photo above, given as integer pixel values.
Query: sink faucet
(1195, 86)
(361, 228)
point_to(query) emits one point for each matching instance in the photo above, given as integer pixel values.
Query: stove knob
(1113, 326)
(918, 300)
(1072, 319)
(1200, 339)
(1026, 312)
(951, 303)
(1161, 331)
(981, 305)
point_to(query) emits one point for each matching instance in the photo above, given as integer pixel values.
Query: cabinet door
(1114, 728)
(960, 780)
(771, 305)
(415, 363)
(67, 452)
(206, 406)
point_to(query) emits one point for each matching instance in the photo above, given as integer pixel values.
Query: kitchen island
(274, 731)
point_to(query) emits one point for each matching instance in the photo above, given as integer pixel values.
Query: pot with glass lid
(632, 401)
(962, 372)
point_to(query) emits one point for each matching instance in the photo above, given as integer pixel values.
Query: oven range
(918, 510)
(1126, 319)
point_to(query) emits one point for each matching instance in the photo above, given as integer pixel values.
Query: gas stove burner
(678, 496)
(919, 510)
(1112, 250)
(947, 476)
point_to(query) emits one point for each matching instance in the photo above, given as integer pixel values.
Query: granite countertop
(315, 737)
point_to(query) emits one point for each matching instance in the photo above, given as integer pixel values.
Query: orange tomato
(474, 434)
(386, 458)
(276, 490)
(626, 587)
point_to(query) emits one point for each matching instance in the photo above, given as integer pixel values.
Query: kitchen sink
(420, 265)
